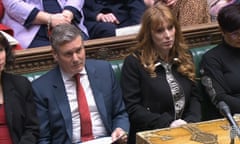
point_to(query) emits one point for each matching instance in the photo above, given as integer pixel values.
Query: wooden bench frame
(111, 48)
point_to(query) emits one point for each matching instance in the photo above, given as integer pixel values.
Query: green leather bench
(207, 108)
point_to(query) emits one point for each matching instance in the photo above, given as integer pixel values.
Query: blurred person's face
(149, 2)
(2, 58)
(232, 38)
(71, 56)
(164, 37)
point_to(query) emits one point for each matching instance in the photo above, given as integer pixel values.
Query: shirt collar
(67, 76)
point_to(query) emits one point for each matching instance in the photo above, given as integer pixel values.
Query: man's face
(71, 56)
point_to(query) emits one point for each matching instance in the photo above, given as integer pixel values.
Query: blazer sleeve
(18, 10)
(30, 132)
(31, 123)
(193, 111)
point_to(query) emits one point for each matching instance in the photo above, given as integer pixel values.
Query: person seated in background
(64, 117)
(188, 12)
(103, 17)
(158, 77)
(1, 9)
(7, 31)
(216, 5)
(32, 20)
(18, 118)
(220, 65)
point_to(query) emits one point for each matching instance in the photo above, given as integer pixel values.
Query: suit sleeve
(42, 111)
(119, 114)
(91, 9)
(193, 111)
(136, 9)
(31, 125)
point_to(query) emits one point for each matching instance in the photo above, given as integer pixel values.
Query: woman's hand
(177, 123)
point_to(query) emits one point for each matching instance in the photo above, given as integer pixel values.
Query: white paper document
(103, 140)
(127, 30)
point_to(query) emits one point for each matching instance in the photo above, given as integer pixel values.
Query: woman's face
(2, 58)
(232, 38)
(164, 37)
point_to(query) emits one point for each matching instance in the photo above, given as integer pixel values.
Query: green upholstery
(197, 52)
(209, 111)
(35, 75)
(117, 67)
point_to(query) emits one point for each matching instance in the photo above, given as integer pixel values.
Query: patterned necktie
(86, 124)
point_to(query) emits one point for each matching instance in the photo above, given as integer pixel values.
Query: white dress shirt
(98, 127)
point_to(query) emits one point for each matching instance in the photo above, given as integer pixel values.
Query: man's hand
(109, 17)
(68, 15)
(119, 136)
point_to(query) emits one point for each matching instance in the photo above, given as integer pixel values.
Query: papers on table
(103, 140)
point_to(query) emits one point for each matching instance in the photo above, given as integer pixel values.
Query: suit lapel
(8, 94)
(98, 95)
(61, 99)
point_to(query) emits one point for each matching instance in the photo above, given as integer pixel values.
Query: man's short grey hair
(62, 34)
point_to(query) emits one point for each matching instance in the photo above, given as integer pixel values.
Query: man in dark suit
(102, 17)
(56, 96)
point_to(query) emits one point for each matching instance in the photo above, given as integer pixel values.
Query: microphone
(225, 111)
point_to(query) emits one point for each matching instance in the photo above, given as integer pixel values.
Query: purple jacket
(17, 12)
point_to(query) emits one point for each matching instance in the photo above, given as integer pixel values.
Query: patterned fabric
(190, 12)
(176, 90)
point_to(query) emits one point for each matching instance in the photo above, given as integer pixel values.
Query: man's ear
(54, 54)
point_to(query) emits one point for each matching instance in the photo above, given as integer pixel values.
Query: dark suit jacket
(20, 109)
(54, 110)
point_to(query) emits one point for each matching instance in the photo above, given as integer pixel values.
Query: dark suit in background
(20, 109)
(128, 12)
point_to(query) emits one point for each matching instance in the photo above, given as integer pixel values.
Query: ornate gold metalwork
(199, 136)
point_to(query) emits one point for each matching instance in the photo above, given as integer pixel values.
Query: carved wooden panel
(111, 48)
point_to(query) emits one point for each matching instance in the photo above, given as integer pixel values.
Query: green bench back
(207, 108)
